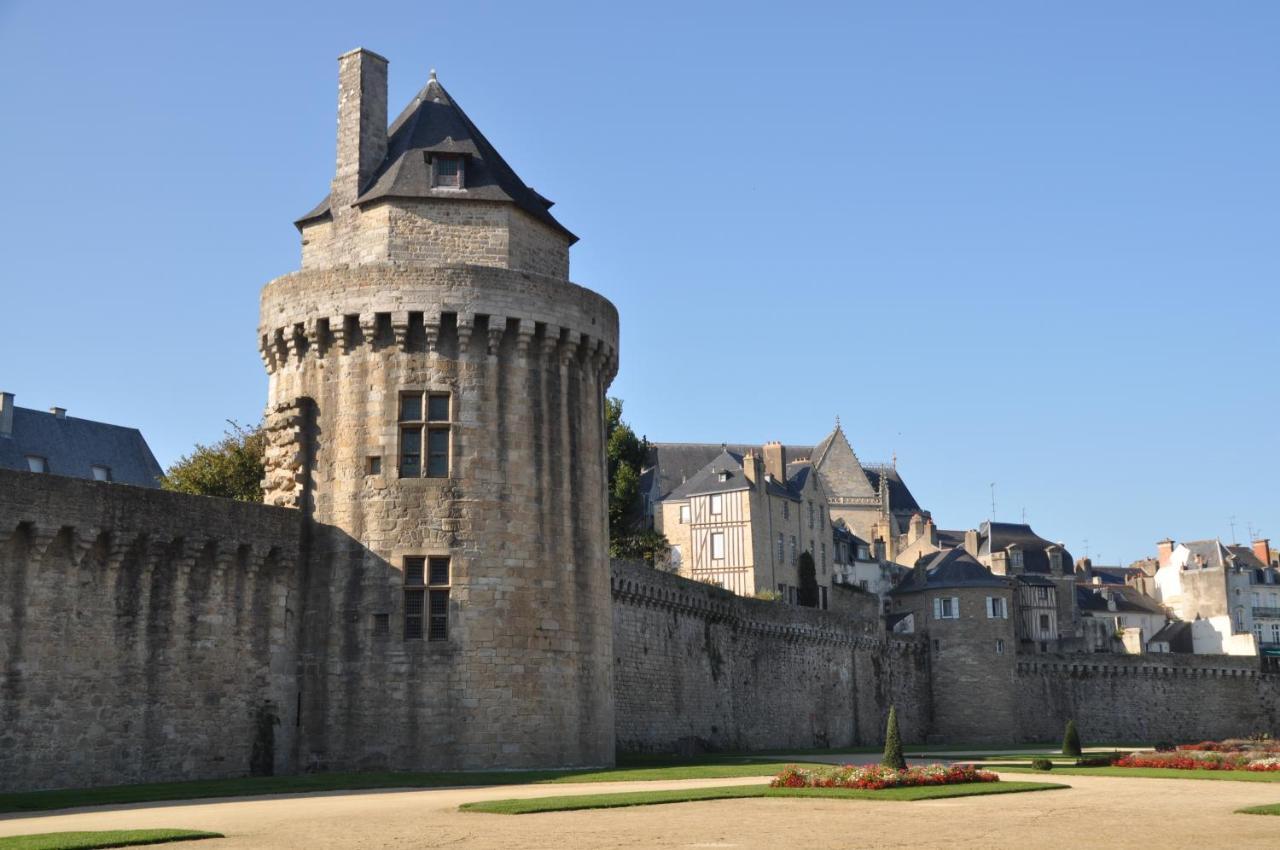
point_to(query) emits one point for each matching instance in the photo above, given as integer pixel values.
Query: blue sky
(1025, 243)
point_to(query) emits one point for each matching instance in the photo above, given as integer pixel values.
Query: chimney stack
(775, 461)
(58, 412)
(6, 414)
(754, 469)
(362, 125)
(1164, 550)
(1262, 550)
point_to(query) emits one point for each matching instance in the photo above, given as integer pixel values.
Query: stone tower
(436, 404)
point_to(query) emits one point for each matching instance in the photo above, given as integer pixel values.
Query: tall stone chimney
(362, 125)
(1164, 550)
(775, 461)
(754, 469)
(6, 414)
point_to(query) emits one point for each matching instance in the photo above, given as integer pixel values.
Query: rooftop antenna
(1253, 535)
(1024, 515)
(1232, 522)
(993, 501)
(1086, 547)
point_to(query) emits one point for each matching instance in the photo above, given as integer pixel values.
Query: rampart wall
(144, 635)
(696, 666)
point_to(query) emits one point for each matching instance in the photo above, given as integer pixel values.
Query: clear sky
(1033, 244)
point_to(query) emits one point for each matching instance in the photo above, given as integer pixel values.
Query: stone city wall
(1123, 698)
(696, 666)
(144, 635)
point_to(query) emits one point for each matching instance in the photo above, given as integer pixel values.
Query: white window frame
(717, 545)
(716, 507)
(37, 464)
(999, 646)
(684, 515)
(946, 608)
(100, 472)
(997, 608)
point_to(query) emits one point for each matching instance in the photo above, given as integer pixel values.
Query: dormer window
(447, 172)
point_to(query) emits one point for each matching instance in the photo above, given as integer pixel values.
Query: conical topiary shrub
(893, 743)
(1071, 740)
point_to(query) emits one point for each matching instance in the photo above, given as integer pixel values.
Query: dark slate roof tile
(73, 446)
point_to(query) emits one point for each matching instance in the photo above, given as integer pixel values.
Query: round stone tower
(436, 404)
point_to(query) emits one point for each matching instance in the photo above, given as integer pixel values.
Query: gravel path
(1095, 811)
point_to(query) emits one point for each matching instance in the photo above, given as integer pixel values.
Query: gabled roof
(838, 466)
(1127, 599)
(999, 536)
(73, 446)
(727, 465)
(676, 463)
(947, 569)
(434, 123)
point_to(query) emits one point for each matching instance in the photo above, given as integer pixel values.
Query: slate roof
(72, 446)
(1215, 555)
(998, 536)
(434, 123)
(1127, 599)
(949, 539)
(1177, 634)
(1115, 575)
(707, 480)
(950, 568)
(677, 462)
(1244, 557)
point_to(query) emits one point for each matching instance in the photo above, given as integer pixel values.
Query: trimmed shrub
(1094, 761)
(874, 777)
(1071, 740)
(893, 757)
(1041, 764)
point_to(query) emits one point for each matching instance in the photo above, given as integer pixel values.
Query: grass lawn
(650, 798)
(36, 801)
(1149, 773)
(92, 840)
(1273, 809)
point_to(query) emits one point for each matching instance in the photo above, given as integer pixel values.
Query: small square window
(414, 571)
(101, 473)
(375, 465)
(381, 625)
(37, 464)
(438, 571)
(447, 171)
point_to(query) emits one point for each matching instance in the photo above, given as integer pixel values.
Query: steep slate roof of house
(998, 536)
(1215, 555)
(1177, 634)
(950, 568)
(1127, 599)
(1244, 557)
(707, 480)
(434, 123)
(840, 468)
(949, 539)
(677, 462)
(73, 446)
(1115, 575)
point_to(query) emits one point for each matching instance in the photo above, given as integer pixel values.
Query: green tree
(626, 453)
(1071, 740)
(230, 468)
(893, 757)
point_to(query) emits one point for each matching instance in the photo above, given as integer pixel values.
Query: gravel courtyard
(1095, 811)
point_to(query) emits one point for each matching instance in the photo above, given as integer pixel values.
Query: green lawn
(650, 798)
(1273, 809)
(93, 840)
(312, 782)
(1149, 773)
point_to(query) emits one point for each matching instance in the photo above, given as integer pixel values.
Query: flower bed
(1200, 758)
(873, 777)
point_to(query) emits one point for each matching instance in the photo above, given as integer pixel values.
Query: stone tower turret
(436, 403)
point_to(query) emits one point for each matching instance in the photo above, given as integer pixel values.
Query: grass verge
(1148, 773)
(94, 840)
(1272, 809)
(37, 801)
(689, 795)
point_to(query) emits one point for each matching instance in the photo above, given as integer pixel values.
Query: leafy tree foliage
(230, 468)
(628, 538)
(893, 757)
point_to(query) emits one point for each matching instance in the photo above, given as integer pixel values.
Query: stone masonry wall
(1176, 698)
(144, 635)
(694, 662)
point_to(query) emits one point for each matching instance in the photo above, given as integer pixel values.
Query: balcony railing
(1266, 613)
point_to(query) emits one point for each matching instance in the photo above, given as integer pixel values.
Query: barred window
(433, 432)
(446, 172)
(426, 598)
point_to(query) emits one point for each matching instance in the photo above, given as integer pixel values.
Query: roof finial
(837, 421)
(432, 77)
